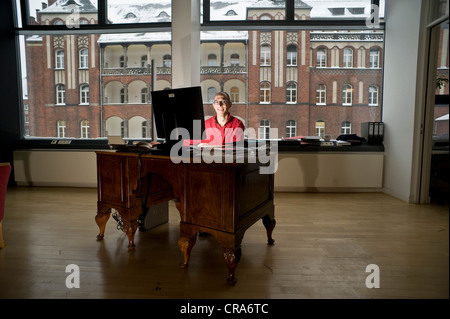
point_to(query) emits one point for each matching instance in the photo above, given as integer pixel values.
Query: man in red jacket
(223, 127)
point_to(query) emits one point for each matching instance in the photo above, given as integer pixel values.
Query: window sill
(96, 144)
(295, 146)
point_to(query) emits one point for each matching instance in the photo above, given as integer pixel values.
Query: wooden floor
(323, 244)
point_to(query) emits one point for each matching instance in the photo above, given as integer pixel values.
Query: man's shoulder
(235, 120)
(210, 122)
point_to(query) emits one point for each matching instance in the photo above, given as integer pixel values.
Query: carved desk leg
(269, 223)
(186, 243)
(130, 227)
(101, 218)
(232, 257)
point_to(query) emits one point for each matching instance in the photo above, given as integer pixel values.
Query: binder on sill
(373, 132)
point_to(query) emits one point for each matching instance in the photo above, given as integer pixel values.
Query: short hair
(225, 95)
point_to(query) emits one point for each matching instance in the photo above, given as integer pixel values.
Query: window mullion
(102, 7)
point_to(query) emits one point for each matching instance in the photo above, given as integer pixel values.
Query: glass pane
(304, 10)
(71, 13)
(81, 86)
(230, 72)
(441, 107)
(139, 11)
(440, 8)
(321, 87)
(247, 10)
(326, 9)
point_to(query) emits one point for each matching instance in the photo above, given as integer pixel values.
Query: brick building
(302, 82)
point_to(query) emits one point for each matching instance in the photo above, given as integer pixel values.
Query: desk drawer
(115, 179)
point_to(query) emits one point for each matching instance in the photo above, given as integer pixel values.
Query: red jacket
(232, 131)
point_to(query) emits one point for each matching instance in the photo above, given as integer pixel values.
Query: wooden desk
(221, 199)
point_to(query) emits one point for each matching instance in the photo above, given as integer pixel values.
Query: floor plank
(323, 244)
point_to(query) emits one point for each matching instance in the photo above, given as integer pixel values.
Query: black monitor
(178, 108)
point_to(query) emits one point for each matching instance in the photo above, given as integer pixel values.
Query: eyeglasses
(220, 102)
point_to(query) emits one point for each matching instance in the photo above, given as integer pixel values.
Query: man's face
(221, 104)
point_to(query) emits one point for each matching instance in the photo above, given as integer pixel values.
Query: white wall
(185, 40)
(329, 172)
(402, 131)
(55, 168)
(296, 171)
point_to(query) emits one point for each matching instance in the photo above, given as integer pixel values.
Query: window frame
(347, 57)
(60, 94)
(102, 27)
(373, 95)
(347, 95)
(265, 55)
(291, 128)
(84, 94)
(374, 64)
(291, 55)
(321, 94)
(265, 93)
(83, 59)
(321, 58)
(85, 128)
(291, 92)
(264, 129)
(59, 59)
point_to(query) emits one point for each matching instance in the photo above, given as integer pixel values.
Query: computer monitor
(178, 108)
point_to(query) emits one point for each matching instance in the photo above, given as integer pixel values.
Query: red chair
(5, 171)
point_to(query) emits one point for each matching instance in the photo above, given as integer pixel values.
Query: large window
(278, 63)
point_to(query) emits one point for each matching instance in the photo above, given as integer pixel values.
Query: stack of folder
(373, 132)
